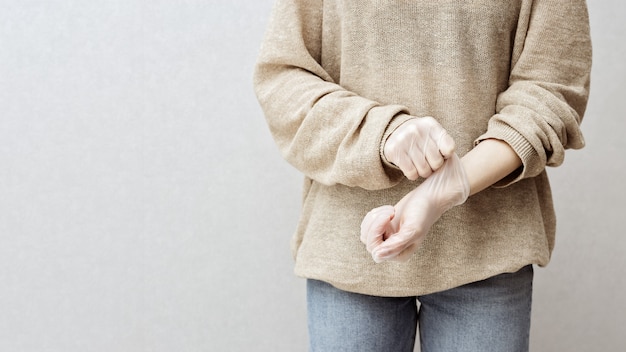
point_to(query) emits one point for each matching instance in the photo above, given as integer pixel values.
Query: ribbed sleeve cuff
(522, 147)
(395, 122)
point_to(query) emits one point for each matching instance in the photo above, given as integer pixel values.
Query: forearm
(328, 133)
(489, 162)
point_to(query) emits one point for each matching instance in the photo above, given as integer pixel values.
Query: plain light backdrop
(144, 206)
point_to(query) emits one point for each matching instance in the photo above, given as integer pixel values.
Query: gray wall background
(144, 206)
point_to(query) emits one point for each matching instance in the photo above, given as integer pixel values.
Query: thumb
(392, 246)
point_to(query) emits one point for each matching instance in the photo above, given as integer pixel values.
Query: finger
(372, 215)
(445, 144)
(376, 235)
(397, 255)
(366, 224)
(385, 256)
(408, 168)
(420, 163)
(417, 159)
(391, 247)
(432, 154)
(375, 224)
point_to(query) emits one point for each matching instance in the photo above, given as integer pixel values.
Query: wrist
(449, 185)
(391, 127)
(489, 162)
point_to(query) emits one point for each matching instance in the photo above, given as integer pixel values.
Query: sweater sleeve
(332, 135)
(540, 113)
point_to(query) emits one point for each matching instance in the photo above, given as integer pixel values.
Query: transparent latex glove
(419, 147)
(395, 232)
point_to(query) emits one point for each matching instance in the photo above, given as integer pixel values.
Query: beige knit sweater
(334, 79)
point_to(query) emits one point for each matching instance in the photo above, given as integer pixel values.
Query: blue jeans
(489, 315)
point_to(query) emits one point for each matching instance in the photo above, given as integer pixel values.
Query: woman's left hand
(396, 232)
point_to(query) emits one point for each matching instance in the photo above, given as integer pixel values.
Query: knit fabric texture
(335, 78)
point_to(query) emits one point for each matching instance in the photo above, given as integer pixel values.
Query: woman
(372, 101)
